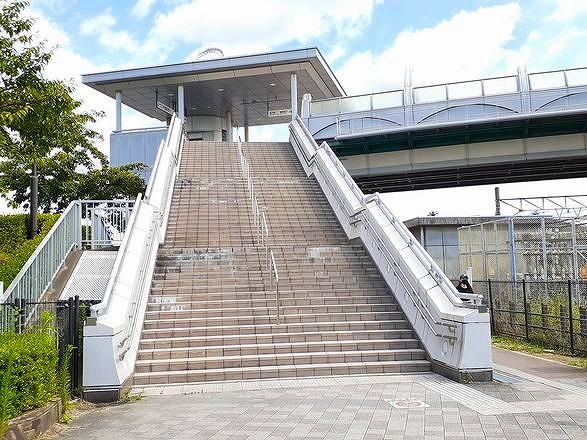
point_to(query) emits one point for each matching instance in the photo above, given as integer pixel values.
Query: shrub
(15, 249)
(28, 372)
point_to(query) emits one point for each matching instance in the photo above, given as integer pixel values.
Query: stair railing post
(571, 334)
(491, 309)
(526, 330)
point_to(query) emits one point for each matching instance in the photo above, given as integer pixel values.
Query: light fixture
(221, 90)
(272, 84)
(171, 94)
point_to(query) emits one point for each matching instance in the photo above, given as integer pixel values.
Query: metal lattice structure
(533, 248)
(570, 206)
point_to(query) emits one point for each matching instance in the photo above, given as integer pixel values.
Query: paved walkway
(536, 399)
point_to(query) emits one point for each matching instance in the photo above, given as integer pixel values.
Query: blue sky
(368, 43)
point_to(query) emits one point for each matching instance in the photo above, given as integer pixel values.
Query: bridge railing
(111, 336)
(453, 327)
(464, 101)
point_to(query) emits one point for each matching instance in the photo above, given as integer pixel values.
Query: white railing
(261, 228)
(111, 336)
(453, 327)
(85, 224)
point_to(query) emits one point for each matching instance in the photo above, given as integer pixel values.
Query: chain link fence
(525, 248)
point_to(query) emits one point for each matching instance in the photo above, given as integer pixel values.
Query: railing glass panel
(429, 94)
(355, 104)
(497, 86)
(577, 77)
(462, 90)
(320, 108)
(547, 80)
(387, 99)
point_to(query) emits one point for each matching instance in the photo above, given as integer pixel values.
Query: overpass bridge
(523, 127)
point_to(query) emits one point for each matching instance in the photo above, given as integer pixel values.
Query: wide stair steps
(211, 315)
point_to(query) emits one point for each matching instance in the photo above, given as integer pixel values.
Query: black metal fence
(550, 313)
(66, 317)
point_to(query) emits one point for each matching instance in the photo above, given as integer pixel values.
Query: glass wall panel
(432, 236)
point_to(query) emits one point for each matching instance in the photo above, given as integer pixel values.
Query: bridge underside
(540, 148)
(510, 172)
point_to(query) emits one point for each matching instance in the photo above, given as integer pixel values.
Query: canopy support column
(118, 110)
(294, 96)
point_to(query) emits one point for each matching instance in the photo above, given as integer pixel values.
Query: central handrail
(261, 228)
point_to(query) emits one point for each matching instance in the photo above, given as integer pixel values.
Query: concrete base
(463, 376)
(34, 423)
(107, 394)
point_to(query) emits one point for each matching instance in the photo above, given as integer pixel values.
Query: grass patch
(538, 350)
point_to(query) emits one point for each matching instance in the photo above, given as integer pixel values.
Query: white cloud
(568, 9)
(256, 25)
(102, 27)
(337, 52)
(142, 8)
(468, 45)
(68, 65)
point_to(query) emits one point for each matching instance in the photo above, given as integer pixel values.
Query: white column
(294, 96)
(118, 110)
(228, 127)
(306, 102)
(246, 132)
(180, 103)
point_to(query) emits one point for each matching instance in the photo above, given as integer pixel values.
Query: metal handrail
(261, 227)
(297, 130)
(273, 272)
(409, 288)
(45, 251)
(98, 308)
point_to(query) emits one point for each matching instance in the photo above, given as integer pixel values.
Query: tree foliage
(21, 64)
(43, 129)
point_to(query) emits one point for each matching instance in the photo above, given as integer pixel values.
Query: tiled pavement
(355, 407)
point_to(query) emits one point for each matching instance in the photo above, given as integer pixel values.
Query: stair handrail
(115, 324)
(428, 298)
(261, 227)
(67, 232)
(424, 257)
(416, 299)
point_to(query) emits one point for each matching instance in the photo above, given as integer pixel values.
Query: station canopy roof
(248, 86)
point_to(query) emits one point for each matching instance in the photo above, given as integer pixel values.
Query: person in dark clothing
(464, 286)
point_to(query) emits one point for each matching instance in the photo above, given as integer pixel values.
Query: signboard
(165, 108)
(279, 113)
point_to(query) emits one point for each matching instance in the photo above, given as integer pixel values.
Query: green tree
(47, 146)
(21, 63)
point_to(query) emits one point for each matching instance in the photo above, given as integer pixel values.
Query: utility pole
(497, 202)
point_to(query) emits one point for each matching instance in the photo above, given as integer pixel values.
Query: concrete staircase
(211, 314)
